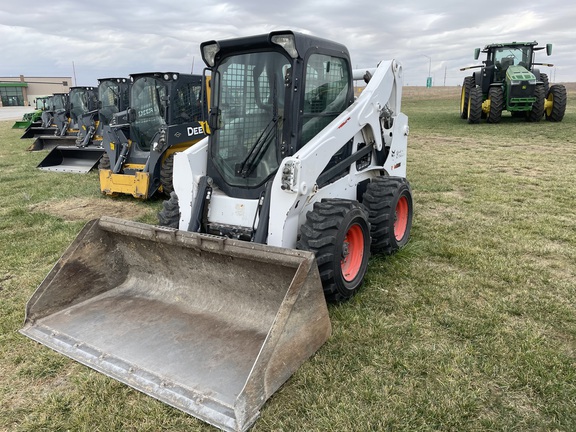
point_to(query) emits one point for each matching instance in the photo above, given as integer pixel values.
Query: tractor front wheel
(338, 232)
(555, 104)
(475, 105)
(496, 97)
(537, 112)
(465, 96)
(104, 163)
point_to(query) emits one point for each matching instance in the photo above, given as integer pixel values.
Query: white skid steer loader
(275, 211)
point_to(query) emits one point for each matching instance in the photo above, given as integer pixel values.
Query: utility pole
(445, 75)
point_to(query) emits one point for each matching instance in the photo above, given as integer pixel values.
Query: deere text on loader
(82, 152)
(508, 80)
(165, 115)
(278, 209)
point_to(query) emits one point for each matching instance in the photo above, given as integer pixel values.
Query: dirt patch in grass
(77, 209)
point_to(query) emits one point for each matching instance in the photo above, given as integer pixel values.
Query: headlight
(286, 41)
(209, 52)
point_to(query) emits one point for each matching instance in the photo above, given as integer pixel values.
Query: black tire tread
(559, 100)
(169, 216)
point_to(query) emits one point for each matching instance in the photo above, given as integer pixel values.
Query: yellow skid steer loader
(277, 210)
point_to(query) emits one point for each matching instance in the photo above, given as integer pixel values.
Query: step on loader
(166, 114)
(80, 153)
(277, 210)
(510, 80)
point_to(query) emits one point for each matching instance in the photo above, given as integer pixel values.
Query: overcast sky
(100, 39)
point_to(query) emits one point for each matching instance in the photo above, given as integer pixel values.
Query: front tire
(465, 96)
(475, 105)
(390, 209)
(555, 103)
(537, 112)
(496, 96)
(166, 173)
(104, 163)
(169, 216)
(338, 232)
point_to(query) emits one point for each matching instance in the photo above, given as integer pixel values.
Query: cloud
(111, 38)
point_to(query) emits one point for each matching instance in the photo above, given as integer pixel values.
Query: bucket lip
(207, 242)
(207, 407)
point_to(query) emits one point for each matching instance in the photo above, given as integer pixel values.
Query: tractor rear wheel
(338, 232)
(475, 105)
(465, 96)
(545, 82)
(555, 103)
(166, 173)
(496, 97)
(389, 204)
(537, 112)
(169, 216)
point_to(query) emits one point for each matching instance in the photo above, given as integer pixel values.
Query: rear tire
(545, 82)
(166, 173)
(338, 232)
(475, 105)
(169, 216)
(104, 163)
(465, 96)
(537, 112)
(556, 99)
(389, 204)
(496, 96)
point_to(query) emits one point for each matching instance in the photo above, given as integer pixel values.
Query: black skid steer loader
(166, 113)
(277, 209)
(58, 102)
(82, 152)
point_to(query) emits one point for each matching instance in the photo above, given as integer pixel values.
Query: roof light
(287, 42)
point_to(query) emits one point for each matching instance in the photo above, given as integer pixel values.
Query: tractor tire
(465, 96)
(166, 173)
(545, 81)
(537, 112)
(496, 97)
(556, 101)
(104, 163)
(338, 232)
(388, 201)
(169, 216)
(475, 105)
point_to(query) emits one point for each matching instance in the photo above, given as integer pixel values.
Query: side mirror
(476, 53)
(548, 49)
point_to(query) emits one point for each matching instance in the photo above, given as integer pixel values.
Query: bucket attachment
(71, 159)
(35, 131)
(48, 142)
(21, 124)
(209, 325)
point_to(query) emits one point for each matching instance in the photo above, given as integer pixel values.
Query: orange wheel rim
(353, 253)
(401, 220)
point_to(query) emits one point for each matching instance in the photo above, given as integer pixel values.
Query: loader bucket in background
(49, 142)
(21, 124)
(211, 326)
(71, 159)
(35, 131)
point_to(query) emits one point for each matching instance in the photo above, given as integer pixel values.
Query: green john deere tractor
(509, 80)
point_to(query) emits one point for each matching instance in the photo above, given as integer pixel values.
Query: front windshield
(146, 100)
(251, 101)
(512, 56)
(111, 97)
(59, 102)
(78, 103)
(41, 103)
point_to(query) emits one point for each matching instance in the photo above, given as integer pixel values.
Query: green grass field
(471, 327)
